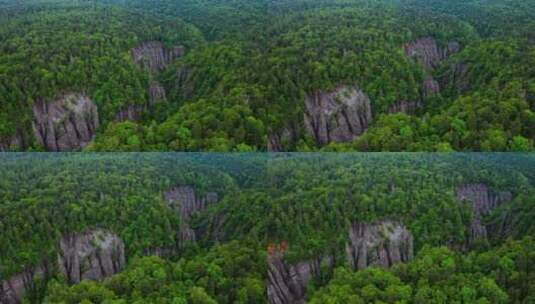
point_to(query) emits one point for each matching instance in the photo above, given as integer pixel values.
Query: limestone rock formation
(380, 244)
(131, 112)
(92, 255)
(154, 56)
(156, 93)
(383, 243)
(337, 116)
(287, 283)
(13, 142)
(67, 123)
(12, 290)
(430, 87)
(408, 107)
(428, 53)
(483, 201)
(187, 203)
(279, 141)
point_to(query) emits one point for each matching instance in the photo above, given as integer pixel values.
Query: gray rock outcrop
(482, 201)
(281, 140)
(382, 244)
(187, 203)
(337, 116)
(154, 56)
(287, 283)
(408, 107)
(430, 55)
(91, 255)
(67, 123)
(13, 289)
(156, 93)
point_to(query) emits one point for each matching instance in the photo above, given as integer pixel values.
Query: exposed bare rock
(280, 141)
(130, 112)
(67, 123)
(483, 201)
(430, 87)
(337, 116)
(92, 255)
(380, 244)
(13, 289)
(17, 141)
(456, 78)
(154, 56)
(187, 202)
(287, 283)
(428, 53)
(183, 82)
(408, 107)
(156, 93)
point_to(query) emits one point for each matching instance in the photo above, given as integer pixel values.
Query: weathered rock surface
(154, 56)
(287, 283)
(456, 78)
(483, 201)
(279, 141)
(131, 112)
(156, 93)
(187, 203)
(337, 116)
(134, 112)
(92, 255)
(428, 53)
(408, 107)
(67, 123)
(14, 142)
(430, 87)
(383, 244)
(380, 244)
(13, 289)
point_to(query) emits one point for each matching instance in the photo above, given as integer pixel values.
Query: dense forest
(266, 75)
(275, 228)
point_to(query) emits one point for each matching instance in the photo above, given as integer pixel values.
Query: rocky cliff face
(408, 107)
(287, 283)
(14, 142)
(280, 140)
(383, 244)
(134, 112)
(187, 203)
(156, 93)
(380, 244)
(13, 289)
(483, 201)
(337, 116)
(67, 123)
(430, 55)
(92, 255)
(154, 56)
